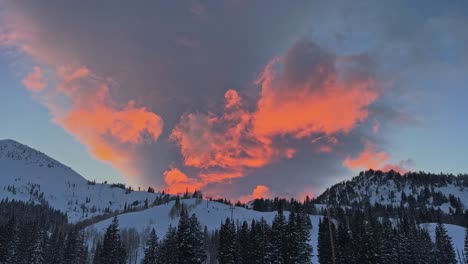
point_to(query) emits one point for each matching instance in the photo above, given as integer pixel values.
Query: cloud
(260, 191)
(301, 96)
(307, 96)
(178, 182)
(110, 131)
(35, 80)
(224, 145)
(401, 167)
(371, 158)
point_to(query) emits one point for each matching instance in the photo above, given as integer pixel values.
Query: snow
(210, 214)
(27, 173)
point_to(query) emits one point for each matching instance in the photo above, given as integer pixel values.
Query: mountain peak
(13, 150)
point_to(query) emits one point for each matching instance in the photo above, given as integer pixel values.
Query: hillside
(449, 193)
(30, 175)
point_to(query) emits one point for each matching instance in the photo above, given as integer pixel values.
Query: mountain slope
(29, 175)
(448, 193)
(210, 214)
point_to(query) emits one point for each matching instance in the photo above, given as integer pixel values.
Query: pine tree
(38, 250)
(388, 246)
(168, 251)
(97, 253)
(190, 239)
(70, 254)
(197, 240)
(324, 242)
(444, 248)
(13, 244)
(261, 242)
(75, 251)
(113, 249)
(304, 226)
(343, 244)
(424, 247)
(466, 245)
(152, 247)
(55, 248)
(278, 233)
(227, 243)
(245, 247)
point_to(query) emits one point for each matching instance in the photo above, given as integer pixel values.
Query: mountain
(445, 192)
(30, 175)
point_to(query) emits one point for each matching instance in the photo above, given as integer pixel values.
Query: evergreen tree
(261, 242)
(304, 225)
(466, 245)
(245, 247)
(97, 253)
(228, 251)
(424, 247)
(168, 251)
(388, 246)
(197, 240)
(444, 248)
(324, 242)
(190, 239)
(152, 247)
(278, 233)
(12, 246)
(113, 249)
(343, 244)
(75, 251)
(38, 250)
(55, 247)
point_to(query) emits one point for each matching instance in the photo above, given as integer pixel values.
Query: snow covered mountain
(448, 193)
(29, 175)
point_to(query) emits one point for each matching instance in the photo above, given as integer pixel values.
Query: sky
(241, 99)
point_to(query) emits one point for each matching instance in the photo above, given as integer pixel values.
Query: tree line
(362, 237)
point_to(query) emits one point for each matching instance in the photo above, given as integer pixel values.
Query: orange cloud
(35, 80)
(294, 101)
(305, 108)
(224, 147)
(260, 191)
(369, 158)
(226, 142)
(179, 182)
(82, 105)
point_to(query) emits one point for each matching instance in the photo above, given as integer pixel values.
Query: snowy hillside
(210, 214)
(29, 175)
(446, 192)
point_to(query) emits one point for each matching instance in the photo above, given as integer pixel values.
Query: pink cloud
(179, 182)
(371, 158)
(260, 191)
(35, 80)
